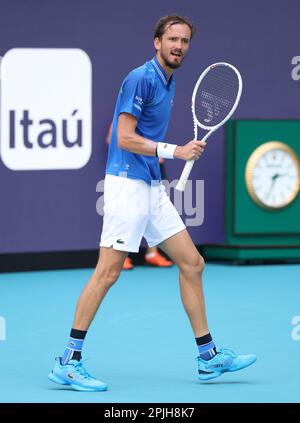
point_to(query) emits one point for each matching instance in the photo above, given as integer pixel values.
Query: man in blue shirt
(146, 95)
(136, 205)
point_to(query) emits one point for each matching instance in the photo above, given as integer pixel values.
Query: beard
(171, 65)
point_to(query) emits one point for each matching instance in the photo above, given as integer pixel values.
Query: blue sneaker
(75, 375)
(224, 361)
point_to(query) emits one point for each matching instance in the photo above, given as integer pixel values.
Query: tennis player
(136, 205)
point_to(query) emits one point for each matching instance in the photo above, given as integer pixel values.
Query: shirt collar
(161, 73)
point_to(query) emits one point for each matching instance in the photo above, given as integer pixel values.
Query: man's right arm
(129, 140)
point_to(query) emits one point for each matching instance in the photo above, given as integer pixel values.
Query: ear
(157, 43)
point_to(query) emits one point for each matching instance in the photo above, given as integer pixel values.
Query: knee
(199, 264)
(107, 277)
(194, 264)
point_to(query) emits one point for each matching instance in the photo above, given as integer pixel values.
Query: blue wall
(55, 210)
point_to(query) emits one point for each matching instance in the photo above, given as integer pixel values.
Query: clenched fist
(190, 151)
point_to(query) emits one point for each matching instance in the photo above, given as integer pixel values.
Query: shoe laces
(79, 369)
(226, 351)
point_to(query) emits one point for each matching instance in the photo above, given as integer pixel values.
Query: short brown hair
(163, 22)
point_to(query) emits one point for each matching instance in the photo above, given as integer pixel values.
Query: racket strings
(216, 95)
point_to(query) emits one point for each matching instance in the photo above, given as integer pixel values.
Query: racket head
(216, 95)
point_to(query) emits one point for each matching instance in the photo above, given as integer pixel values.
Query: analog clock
(273, 175)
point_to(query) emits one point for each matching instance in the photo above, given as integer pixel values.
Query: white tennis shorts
(133, 209)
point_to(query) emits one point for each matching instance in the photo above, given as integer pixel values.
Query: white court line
(2, 329)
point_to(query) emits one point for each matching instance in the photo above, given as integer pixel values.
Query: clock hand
(278, 175)
(274, 179)
(271, 187)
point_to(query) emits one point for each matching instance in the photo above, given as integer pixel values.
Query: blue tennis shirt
(148, 96)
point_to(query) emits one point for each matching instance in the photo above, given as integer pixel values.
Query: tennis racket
(215, 98)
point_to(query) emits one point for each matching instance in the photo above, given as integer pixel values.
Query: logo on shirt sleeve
(138, 102)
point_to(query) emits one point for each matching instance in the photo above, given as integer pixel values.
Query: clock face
(273, 175)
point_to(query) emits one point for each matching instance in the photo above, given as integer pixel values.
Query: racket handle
(185, 175)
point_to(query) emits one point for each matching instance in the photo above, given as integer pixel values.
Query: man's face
(173, 45)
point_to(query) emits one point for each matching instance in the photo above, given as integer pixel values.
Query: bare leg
(183, 252)
(105, 275)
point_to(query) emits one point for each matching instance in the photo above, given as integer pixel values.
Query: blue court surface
(141, 342)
